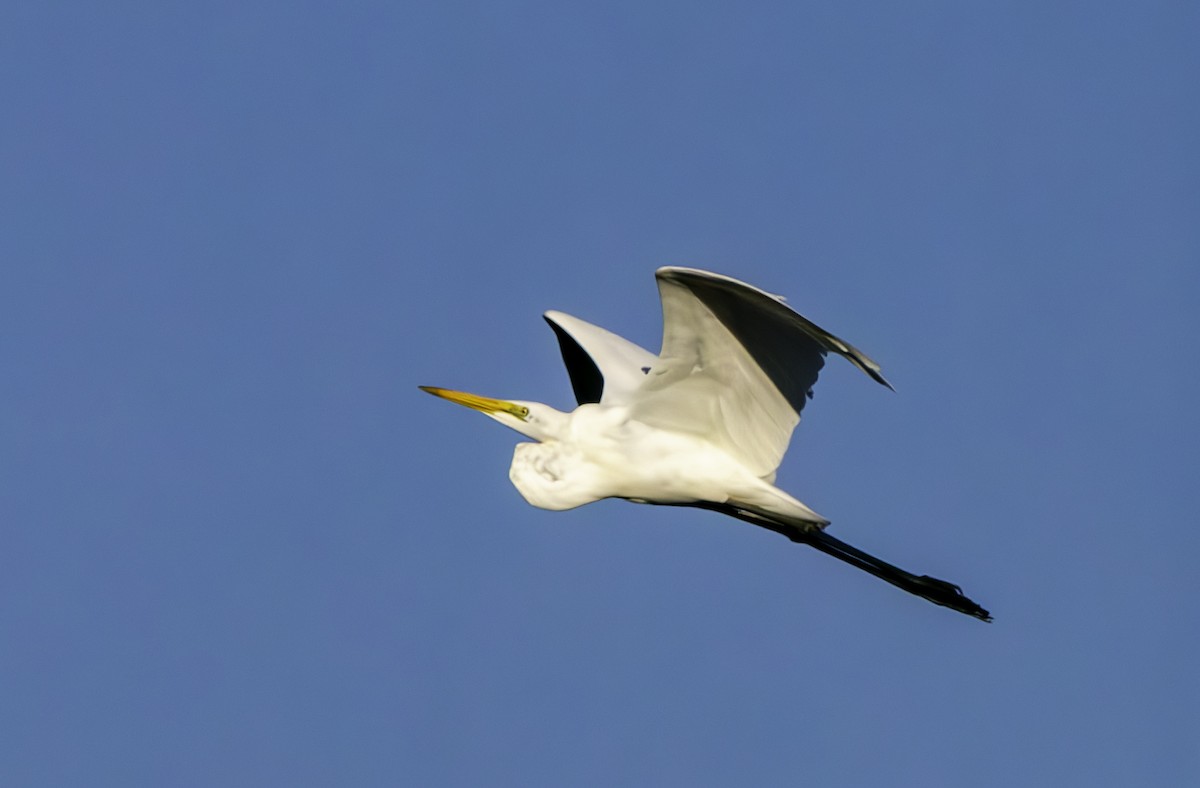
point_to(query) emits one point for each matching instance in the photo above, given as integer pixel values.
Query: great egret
(705, 423)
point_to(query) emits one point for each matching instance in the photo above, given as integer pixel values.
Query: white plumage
(705, 422)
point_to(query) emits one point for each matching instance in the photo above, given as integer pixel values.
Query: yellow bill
(476, 402)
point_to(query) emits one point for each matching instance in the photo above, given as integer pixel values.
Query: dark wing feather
(586, 380)
(788, 347)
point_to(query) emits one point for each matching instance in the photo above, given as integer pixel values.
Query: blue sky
(239, 547)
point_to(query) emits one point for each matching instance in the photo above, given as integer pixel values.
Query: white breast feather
(552, 475)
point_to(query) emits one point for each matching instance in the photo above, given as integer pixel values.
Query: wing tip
(873, 370)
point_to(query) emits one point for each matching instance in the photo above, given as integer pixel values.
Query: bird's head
(531, 419)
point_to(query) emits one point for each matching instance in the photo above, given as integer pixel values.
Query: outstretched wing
(737, 366)
(603, 366)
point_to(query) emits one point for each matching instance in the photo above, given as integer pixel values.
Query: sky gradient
(238, 546)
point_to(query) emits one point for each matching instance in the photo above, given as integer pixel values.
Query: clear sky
(239, 547)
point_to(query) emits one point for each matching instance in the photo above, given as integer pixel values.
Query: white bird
(704, 423)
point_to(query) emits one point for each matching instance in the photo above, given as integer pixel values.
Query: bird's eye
(523, 413)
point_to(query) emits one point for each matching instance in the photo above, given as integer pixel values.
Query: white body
(602, 452)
